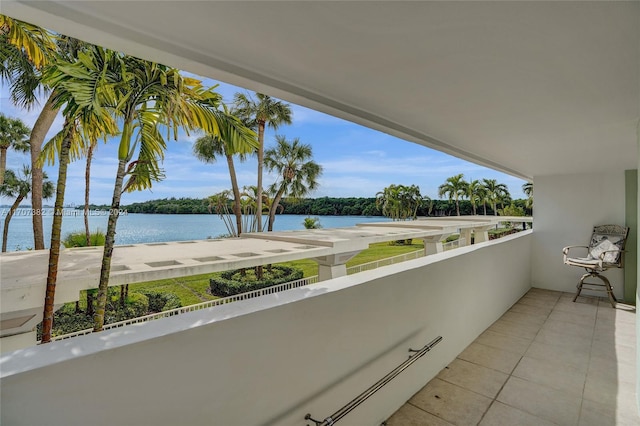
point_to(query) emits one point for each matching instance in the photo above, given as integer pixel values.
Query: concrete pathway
(546, 361)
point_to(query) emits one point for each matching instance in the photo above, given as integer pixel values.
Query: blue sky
(357, 161)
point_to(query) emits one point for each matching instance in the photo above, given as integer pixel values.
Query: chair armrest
(565, 250)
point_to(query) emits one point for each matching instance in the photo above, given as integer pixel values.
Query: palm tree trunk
(484, 205)
(274, 208)
(236, 193)
(3, 164)
(54, 252)
(260, 165)
(457, 207)
(38, 133)
(7, 219)
(87, 182)
(109, 242)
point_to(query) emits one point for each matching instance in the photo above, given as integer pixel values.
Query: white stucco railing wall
(271, 360)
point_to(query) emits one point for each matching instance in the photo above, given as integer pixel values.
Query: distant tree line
(324, 206)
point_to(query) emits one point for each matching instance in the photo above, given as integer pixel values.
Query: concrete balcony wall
(272, 360)
(566, 208)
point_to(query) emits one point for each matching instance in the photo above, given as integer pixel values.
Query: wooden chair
(605, 251)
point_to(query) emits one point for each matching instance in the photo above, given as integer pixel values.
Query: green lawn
(193, 289)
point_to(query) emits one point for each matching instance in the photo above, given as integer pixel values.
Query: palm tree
(25, 49)
(474, 193)
(258, 113)
(400, 202)
(495, 193)
(297, 173)
(13, 134)
(206, 149)
(19, 187)
(145, 97)
(527, 188)
(455, 188)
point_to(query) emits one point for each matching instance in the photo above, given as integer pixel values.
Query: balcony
(546, 361)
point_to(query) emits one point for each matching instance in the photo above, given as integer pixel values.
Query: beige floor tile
(528, 309)
(409, 415)
(568, 341)
(500, 414)
(550, 404)
(609, 387)
(474, 377)
(507, 343)
(537, 301)
(622, 354)
(515, 329)
(561, 354)
(519, 317)
(553, 374)
(451, 403)
(490, 357)
(599, 414)
(584, 299)
(566, 305)
(584, 330)
(572, 317)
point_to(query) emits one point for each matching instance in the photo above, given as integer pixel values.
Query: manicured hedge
(159, 302)
(230, 282)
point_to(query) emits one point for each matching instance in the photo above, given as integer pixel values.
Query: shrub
(159, 302)
(242, 281)
(79, 239)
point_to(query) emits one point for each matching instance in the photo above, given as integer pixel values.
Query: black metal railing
(351, 405)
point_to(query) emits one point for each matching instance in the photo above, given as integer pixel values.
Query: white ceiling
(529, 88)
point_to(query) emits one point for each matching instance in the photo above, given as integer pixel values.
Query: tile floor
(546, 361)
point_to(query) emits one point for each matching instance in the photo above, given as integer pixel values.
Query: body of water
(149, 228)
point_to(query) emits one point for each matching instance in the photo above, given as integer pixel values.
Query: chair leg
(579, 286)
(606, 285)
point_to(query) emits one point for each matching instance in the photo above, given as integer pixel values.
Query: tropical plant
(207, 148)
(25, 49)
(455, 187)
(13, 134)
(475, 194)
(297, 173)
(527, 188)
(495, 193)
(19, 186)
(400, 202)
(145, 97)
(311, 223)
(258, 113)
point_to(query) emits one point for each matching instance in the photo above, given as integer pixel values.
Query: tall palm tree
(495, 193)
(400, 202)
(86, 120)
(527, 188)
(297, 173)
(13, 134)
(260, 112)
(25, 49)
(455, 187)
(145, 97)
(19, 187)
(206, 149)
(474, 193)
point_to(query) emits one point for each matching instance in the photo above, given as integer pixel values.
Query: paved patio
(546, 361)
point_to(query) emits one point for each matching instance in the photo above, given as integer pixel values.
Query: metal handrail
(351, 405)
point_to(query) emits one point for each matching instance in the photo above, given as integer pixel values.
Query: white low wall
(270, 360)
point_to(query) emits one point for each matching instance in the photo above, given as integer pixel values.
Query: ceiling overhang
(528, 88)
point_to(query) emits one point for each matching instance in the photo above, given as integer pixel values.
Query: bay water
(149, 228)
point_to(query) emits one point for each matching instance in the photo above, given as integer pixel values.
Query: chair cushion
(608, 244)
(585, 262)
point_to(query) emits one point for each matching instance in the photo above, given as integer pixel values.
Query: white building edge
(548, 91)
